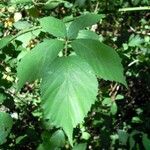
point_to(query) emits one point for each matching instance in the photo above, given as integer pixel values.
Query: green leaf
(2, 98)
(54, 142)
(32, 66)
(80, 146)
(87, 34)
(119, 97)
(85, 135)
(54, 26)
(70, 87)
(146, 142)
(123, 137)
(51, 4)
(136, 119)
(81, 23)
(107, 102)
(135, 40)
(113, 108)
(6, 123)
(58, 139)
(22, 25)
(104, 60)
(5, 41)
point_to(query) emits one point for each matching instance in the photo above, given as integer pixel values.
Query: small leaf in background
(123, 137)
(146, 141)
(5, 41)
(32, 66)
(107, 102)
(2, 98)
(104, 60)
(54, 142)
(54, 26)
(119, 97)
(82, 146)
(80, 3)
(70, 87)
(81, 23)
(135, 40)
(85, 135)
(22, 25)
(6, 123)
(51, 4)
(136, 119)
(113, 108)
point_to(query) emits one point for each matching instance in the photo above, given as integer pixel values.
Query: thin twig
(134, 9)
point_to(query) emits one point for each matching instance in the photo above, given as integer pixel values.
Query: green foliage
(82, 22)
(52, 51)
(66, 88)
(5, 126)
(54, 26)
(6, 40)
(56, 141)
(146, 142)
(103, 59)
(34, 64)
(70, 76)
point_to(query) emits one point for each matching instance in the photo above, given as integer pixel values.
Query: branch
(134, 9)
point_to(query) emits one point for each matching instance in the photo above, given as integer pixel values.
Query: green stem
(66, 48)
(134, 9)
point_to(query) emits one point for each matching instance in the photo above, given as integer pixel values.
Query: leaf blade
(53, 26)
(81, 23)
(6, 123)
(65, 93)
(31, 67)
(103, 59)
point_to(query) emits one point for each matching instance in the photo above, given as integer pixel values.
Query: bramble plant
(68, 65)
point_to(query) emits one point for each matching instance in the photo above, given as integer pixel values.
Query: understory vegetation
(75, 75)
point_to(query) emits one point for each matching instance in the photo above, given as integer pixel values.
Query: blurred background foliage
(120, 119)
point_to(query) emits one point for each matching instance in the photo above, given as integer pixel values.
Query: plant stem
(134, 9)
(66, 48)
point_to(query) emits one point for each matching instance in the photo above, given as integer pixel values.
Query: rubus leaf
(54, 26)
(5, 41)
(70, 87)
(32, 66)
(6, 123)
(81, 23)
(103, 59)
(87, 34)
